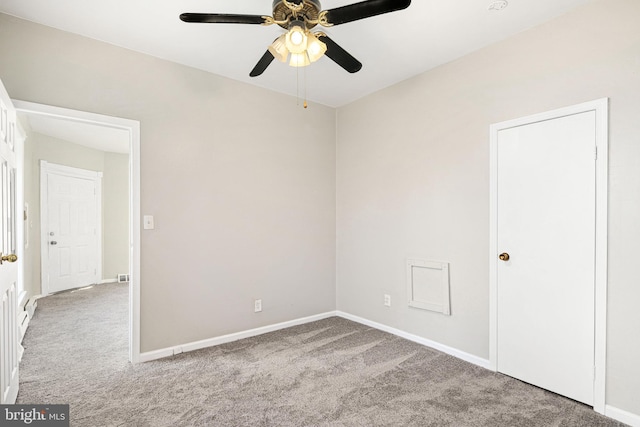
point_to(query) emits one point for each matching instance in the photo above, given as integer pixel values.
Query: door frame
(47, 168)
(133, 129)
(601, 109)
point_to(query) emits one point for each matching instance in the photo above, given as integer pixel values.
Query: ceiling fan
(298, 17)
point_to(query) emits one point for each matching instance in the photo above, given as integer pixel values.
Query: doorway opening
(129, 135)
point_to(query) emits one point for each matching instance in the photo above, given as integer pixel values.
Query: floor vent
(123, 278)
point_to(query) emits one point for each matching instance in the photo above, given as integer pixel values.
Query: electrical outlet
(387, 300)
(257, 305)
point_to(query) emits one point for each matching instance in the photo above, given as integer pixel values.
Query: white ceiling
(391, 47)
(91, 135)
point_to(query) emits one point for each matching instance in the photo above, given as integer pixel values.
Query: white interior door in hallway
(71, 226)
(546, 253)
(9, 340)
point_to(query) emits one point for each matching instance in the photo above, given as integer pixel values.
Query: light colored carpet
(333, 372)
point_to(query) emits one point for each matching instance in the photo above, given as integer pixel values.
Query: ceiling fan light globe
(299, 60)
(296, 39)
(279, 49)
(315, 48)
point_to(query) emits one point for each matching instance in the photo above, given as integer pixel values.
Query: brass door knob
(504, 256)
(10, 258)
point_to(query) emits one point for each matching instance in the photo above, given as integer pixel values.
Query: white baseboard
(31, 305)
(210, 342)
(156, 354)
(103, 281)
(196, 345)
(484, 363)
(623, 416)
(23, 324)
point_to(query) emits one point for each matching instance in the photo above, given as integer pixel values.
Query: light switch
(148, 222)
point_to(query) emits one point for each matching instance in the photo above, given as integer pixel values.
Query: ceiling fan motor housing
(310, 11)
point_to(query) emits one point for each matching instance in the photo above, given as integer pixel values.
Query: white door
(9, 341)
(546, 224)
(72, 229)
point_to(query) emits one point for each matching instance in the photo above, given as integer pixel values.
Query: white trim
(21, 230)
(600, 107)
(46, 169)
(148, 356)
(31, 305)
(22, 299)
(210, 342)
(133, 127)
(493, 249)
(484, 363)
(196, 345)
(26, 216)
(134, 240)
(70, 171)
(23, 324)
(623, 416)
(601, 263)
(105, 281)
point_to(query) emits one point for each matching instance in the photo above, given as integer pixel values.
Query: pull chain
(304, 76)
(297, 86)
(305, 87)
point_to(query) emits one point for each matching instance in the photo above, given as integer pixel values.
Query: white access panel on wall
(428, 285)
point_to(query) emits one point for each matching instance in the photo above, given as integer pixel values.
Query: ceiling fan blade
(222, 18)
(339, 55)
(364, 9)
(262, 64)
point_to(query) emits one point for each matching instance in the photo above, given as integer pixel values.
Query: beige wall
(115, 219)
(115, 215)
(413, 177)
(241, 182)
